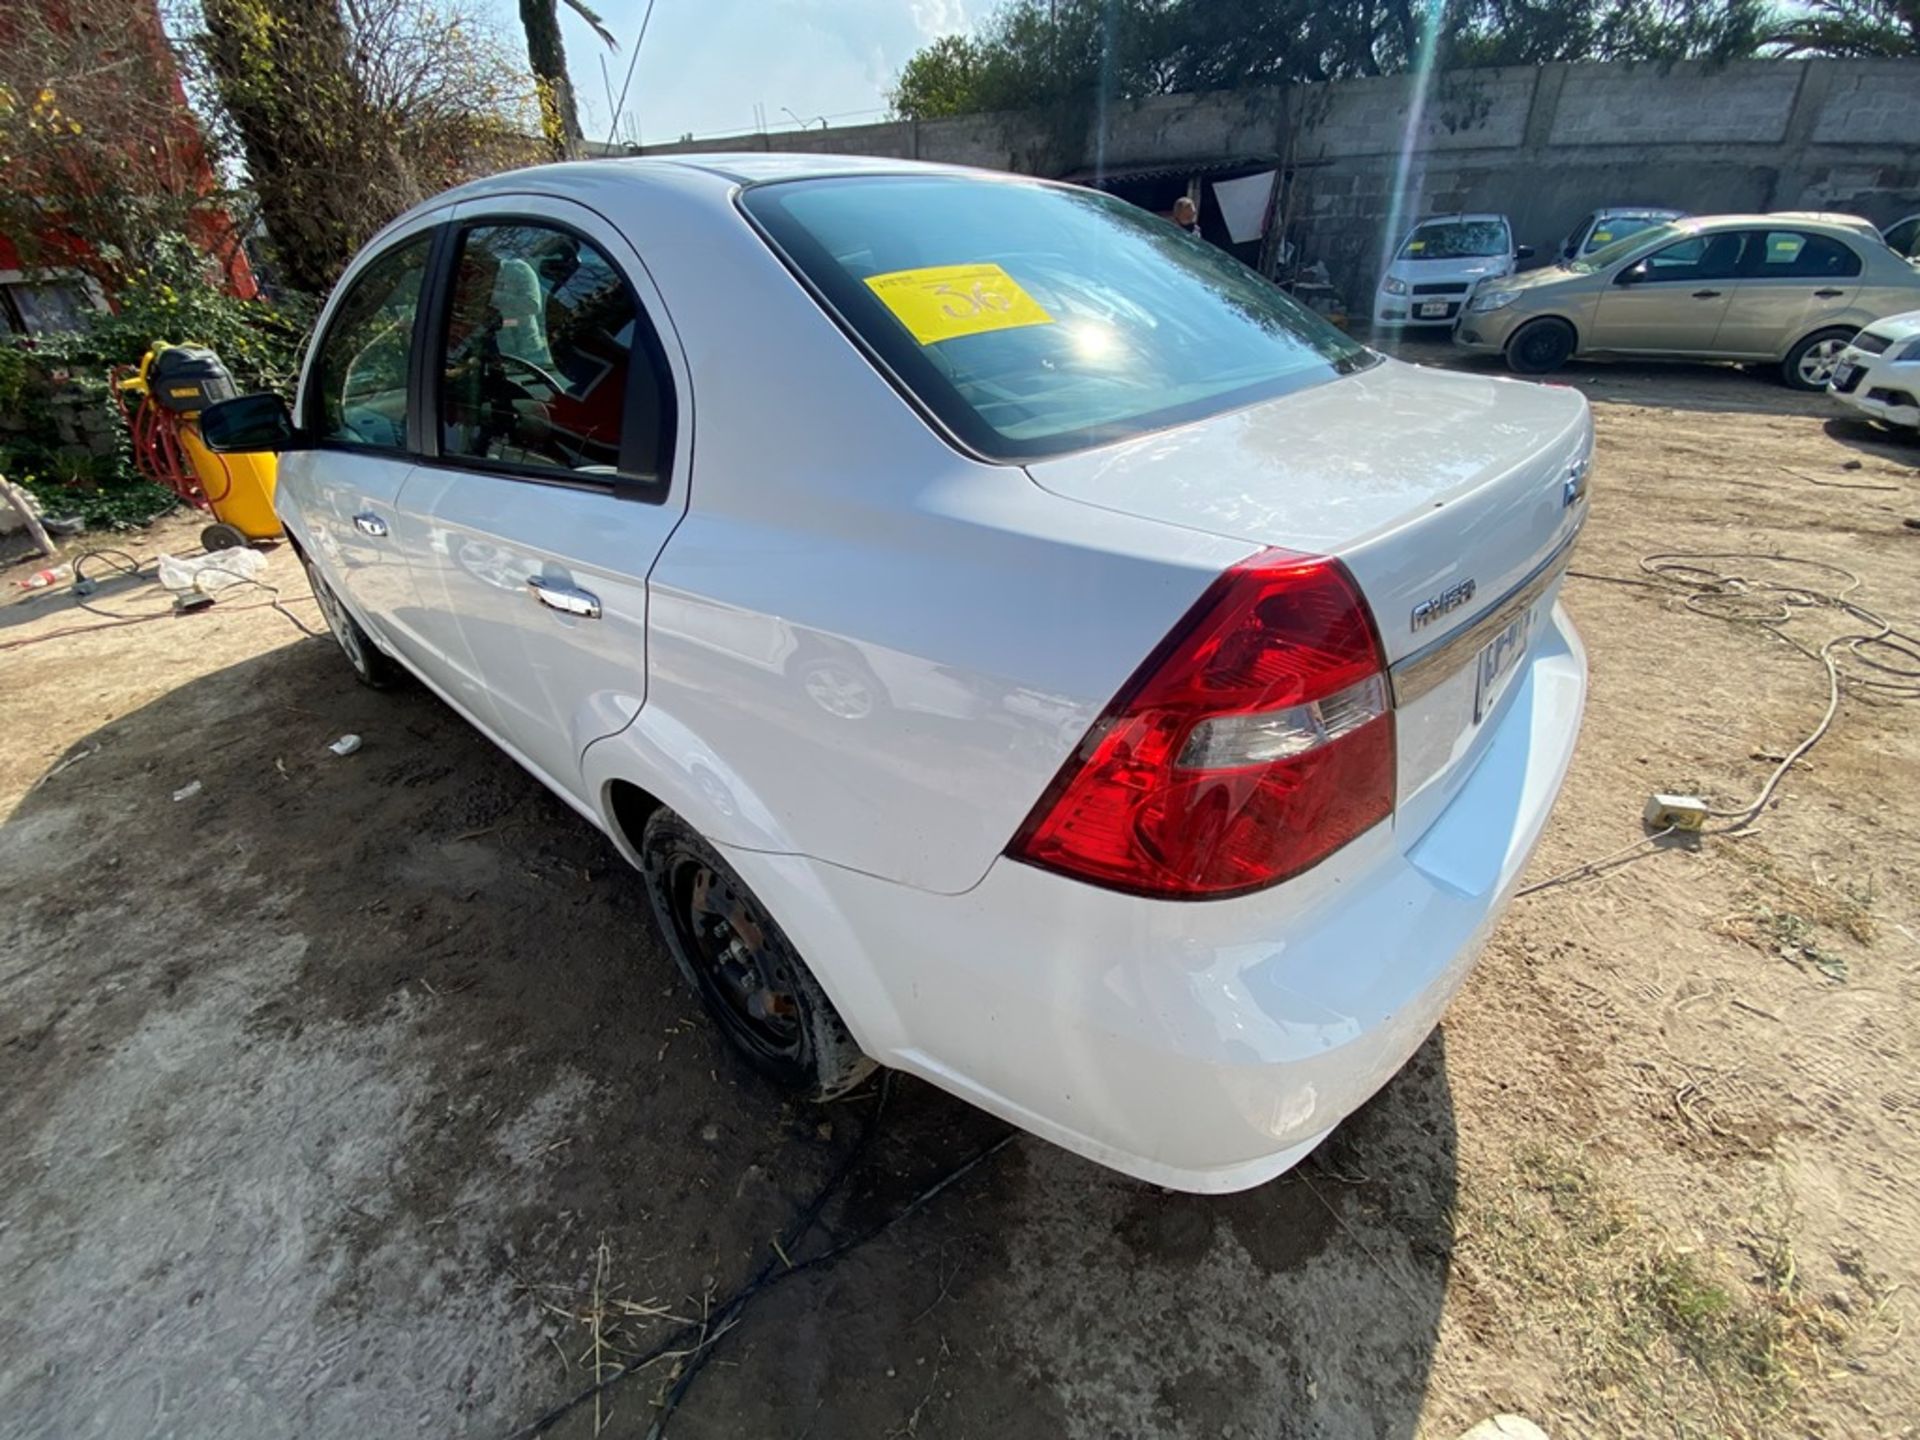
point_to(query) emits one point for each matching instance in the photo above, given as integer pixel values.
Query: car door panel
(1792, 284)
(1677, 305)
(357, 405)
(534, 573)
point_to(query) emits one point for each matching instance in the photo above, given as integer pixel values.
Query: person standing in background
(1187, 215)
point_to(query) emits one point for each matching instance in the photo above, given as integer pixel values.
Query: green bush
(174, 299)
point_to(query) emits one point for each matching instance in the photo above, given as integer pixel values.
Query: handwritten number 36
(963, 304)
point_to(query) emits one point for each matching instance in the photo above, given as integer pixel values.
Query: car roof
(1851, 225)
(1459, 215)
(1830, 217)
(1638, 212)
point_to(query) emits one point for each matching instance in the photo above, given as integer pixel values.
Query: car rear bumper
(1203, 1046)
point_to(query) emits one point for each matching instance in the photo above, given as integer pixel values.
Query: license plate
(1433, 309)
(1499, 661)
(1841, 375)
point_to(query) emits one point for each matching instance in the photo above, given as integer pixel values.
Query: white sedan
(1878, 373)
(1014, 642)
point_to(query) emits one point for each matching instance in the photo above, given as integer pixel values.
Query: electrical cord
(696, 1342)
(1882, 661)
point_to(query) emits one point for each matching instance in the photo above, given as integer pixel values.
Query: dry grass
(1648, 1327)
(1787, 914)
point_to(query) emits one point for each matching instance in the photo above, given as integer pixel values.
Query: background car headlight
(1494, 299)
(1393, 287)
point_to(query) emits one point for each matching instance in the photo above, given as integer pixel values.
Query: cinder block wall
(1541, 145)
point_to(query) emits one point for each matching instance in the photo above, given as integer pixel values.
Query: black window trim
(631, 480)
(313, 409)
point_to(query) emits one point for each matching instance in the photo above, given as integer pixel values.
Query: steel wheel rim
(748, 984)
(1816, 365)
(1541, 346)
(340, 623)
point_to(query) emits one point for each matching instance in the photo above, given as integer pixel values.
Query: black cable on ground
(697, 1342)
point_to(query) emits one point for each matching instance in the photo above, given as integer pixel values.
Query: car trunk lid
(1452, 499)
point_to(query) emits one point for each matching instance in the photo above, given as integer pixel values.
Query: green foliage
(1035, 54)
(173, 298)
(1868, 29)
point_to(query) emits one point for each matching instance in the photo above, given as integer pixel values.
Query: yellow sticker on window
(1414, 247)
(944, 302)
(1600, 237)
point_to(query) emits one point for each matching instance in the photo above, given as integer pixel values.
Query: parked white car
(1600, 228)
(1437, 266)
(1015, 642)
(1903, 237)
(1878, 373)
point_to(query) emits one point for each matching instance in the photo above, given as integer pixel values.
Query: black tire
(373, 667)
(742, 966)
(1809, 364)
(1540, 346)
(221, 536)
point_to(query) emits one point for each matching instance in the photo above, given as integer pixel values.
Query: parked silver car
(1787, 289)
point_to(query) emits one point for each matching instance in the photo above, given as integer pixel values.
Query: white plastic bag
(212, 571)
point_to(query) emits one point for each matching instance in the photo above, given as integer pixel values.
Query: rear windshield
(1456, 240)
(1035, 319)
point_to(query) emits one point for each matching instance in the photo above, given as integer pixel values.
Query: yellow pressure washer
(162, 398)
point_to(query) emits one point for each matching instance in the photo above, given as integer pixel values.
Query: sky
(707, 63)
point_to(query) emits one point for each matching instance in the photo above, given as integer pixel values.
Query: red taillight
(1255, 742)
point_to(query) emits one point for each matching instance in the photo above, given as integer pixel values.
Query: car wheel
(741, 964)
(1809, 365)
(1539, 346)
(373, 667)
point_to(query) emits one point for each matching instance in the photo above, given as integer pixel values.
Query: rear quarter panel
(865, 647)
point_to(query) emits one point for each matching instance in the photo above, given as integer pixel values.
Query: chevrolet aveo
(1014, 642)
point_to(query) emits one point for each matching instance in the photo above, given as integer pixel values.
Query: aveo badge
(1448, 600)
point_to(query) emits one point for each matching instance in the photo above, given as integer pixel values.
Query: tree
(1860, 28)
(547, 54)
(349, 111)
(101, 155)
(321, 158)
(443, 77)
(1039, 53)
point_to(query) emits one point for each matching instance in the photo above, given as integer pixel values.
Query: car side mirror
(1523, 252)
(249, 423)
(1632, 275)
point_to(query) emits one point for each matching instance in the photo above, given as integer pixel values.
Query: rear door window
(1035, 319)
(1795, 254)
(542, 336)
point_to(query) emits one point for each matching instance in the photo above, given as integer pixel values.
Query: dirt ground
(355, 1096)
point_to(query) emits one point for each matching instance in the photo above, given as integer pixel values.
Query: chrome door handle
(564, 598)
(368, 523)
(1706, 294)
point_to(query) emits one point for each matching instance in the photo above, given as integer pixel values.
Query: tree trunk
(321, 159)
(547, 58)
